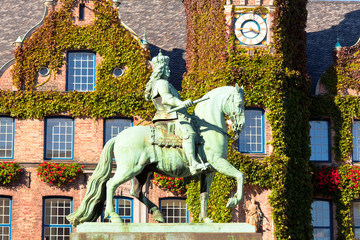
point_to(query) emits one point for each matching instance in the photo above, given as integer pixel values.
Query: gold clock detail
(250, 29)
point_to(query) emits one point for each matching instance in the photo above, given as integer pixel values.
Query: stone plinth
(166, 231)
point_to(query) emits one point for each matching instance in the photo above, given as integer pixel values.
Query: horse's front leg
(223, 166)
(205, 183)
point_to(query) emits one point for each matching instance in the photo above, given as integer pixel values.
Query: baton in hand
(194, 102)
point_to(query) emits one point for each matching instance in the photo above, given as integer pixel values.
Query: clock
(250, 29)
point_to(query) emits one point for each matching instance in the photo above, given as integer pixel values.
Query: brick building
(32, 209)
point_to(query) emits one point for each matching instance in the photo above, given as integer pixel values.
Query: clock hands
(250, 29)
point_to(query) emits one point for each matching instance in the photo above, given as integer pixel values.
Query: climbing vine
(340, 103)
(47, 47)
(275, 82)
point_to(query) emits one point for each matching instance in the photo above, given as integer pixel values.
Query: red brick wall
(6, 82)
(27, 202)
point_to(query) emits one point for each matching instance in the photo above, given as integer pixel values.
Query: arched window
(251, 139)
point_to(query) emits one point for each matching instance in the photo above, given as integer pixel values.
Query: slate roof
(164, 20)
(326, 21)
(165, 24)
(16, 18)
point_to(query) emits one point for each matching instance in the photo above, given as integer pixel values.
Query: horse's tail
(93, 203)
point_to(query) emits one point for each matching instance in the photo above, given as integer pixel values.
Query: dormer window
(80, 71)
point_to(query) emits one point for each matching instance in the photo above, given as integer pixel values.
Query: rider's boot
(189, 148)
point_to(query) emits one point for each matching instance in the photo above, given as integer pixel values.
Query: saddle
(163, 134)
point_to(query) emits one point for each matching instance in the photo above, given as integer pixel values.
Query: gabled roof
(164, 21)
(328, 20)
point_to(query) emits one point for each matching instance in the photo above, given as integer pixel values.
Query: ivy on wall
(47, 47)
(342, 108)
(275, 82)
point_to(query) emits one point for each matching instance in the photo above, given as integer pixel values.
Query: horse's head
(234, 108)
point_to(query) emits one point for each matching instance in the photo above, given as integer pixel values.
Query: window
(6, 137)
(81, 71)
(356, 214)
(321, 220)
(55, 224)
(123, 207)
(114, 126)
(5, 218)
(356, 141)
(251, 139)
(82, 11)
(174, 210)
(59, 138)
(319, 141)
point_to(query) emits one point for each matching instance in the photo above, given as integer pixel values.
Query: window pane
(59, 138)
(251, 138)
(321, 219)
(123, 207)
(319, 141)
(80, 74)
(174, 210)
(356, 141)
(114, 126)
(6, 137)
(5, 217)
(56, 226)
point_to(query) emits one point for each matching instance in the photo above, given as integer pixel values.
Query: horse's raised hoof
(232, 202)
(115, 218)
(157, 216)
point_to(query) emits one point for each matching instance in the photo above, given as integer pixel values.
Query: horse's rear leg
(136, 191)
(121, 176)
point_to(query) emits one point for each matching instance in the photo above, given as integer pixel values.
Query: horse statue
(138, 157)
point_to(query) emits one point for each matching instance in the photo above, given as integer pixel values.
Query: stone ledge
(165, 231)
(93, 227)
(165, 236)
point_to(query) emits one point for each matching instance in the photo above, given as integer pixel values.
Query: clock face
(250, 29)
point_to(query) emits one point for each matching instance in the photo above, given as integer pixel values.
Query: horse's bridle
(233, 115)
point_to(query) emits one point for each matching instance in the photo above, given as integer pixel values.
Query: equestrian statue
(177, 145)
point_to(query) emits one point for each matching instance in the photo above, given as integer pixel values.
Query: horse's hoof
(208, 220)
(115, 218)
(231, 203)
(158, 216)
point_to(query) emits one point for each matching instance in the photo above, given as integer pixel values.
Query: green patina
(275, 82)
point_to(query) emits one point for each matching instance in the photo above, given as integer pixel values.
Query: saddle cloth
(163, 135)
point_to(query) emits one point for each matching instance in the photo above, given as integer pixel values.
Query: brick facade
(29, 147)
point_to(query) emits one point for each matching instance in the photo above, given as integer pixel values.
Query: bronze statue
(142, 150)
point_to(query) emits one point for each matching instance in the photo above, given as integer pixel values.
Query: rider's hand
(188, 103)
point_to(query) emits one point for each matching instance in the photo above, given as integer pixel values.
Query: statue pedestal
(165, 231)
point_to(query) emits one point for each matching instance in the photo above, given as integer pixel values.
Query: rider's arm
(167, 97)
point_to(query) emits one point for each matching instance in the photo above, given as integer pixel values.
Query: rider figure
(165, 97)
